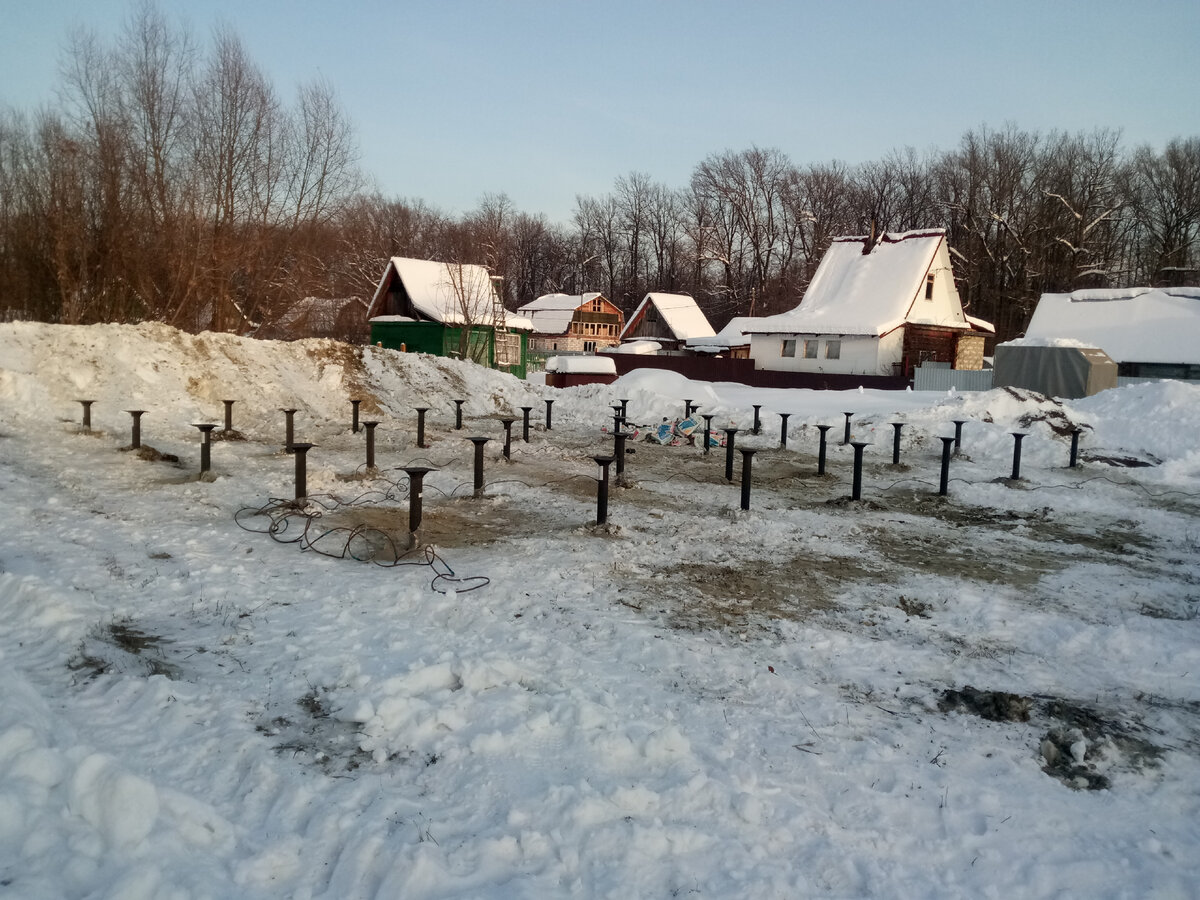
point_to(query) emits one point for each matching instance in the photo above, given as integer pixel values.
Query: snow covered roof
(552, 313)
(439, 291)
(581, 365)
(871, 293)
(679, 313)
(732, 335)
(560, 301)
(981, 325)
(1150, 325)
(635, 347)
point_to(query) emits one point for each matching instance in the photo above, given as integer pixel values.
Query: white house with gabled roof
(874, 307)
(669, 319)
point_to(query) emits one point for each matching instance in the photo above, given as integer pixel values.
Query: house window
(833, 349)
(589, 346)
(508, 349)
(652, 313)
(789, 348)
(810, 349)
(928, 287)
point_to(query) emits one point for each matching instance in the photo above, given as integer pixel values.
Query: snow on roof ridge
(1101, 295)
(894, 237)
(552, 301)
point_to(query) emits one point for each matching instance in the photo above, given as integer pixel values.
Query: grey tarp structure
(1067, 372)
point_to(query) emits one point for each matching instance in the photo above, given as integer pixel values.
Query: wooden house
(447, 309)
(669, 319)
(580, 323)
(874, 307)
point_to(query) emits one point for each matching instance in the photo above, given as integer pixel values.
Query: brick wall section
(970, 351)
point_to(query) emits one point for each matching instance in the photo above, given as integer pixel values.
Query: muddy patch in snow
(309, 734)
(1084, 748)
(708, 596)
(380, 533)
(121, 646)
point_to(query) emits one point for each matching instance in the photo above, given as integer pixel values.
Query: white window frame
(833, 349)
(789, 348)
(810, 348)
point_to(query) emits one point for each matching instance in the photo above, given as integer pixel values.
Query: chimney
(869, 245)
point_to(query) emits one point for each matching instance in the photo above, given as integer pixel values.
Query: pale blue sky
(545, 100)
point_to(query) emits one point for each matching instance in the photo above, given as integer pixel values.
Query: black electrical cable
(362, 543)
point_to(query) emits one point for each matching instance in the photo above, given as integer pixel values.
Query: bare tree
(323, 171)
(1164, 192)
(475, 303)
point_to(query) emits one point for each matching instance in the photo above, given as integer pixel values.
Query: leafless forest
(173, 182)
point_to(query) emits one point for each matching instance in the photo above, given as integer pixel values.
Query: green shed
(482, 346)
(448, 309)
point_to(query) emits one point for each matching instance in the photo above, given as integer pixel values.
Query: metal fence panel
(928, 378)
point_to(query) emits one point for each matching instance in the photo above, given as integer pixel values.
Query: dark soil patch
(381, 533)
(995, 706)
(149, 454)
(1120, 462)
(1184, 610)
(1086, 744)
(1056, 420)
(911, 606)
(314, 736)
(1081, 747)
(708, 596)
(119, 647)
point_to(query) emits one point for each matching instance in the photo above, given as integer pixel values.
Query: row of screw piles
(416, 474)
(620, 436)
(948, 443)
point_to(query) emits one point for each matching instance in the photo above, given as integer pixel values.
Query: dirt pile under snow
(156, 367)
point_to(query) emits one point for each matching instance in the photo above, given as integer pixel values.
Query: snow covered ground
(992, 694)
